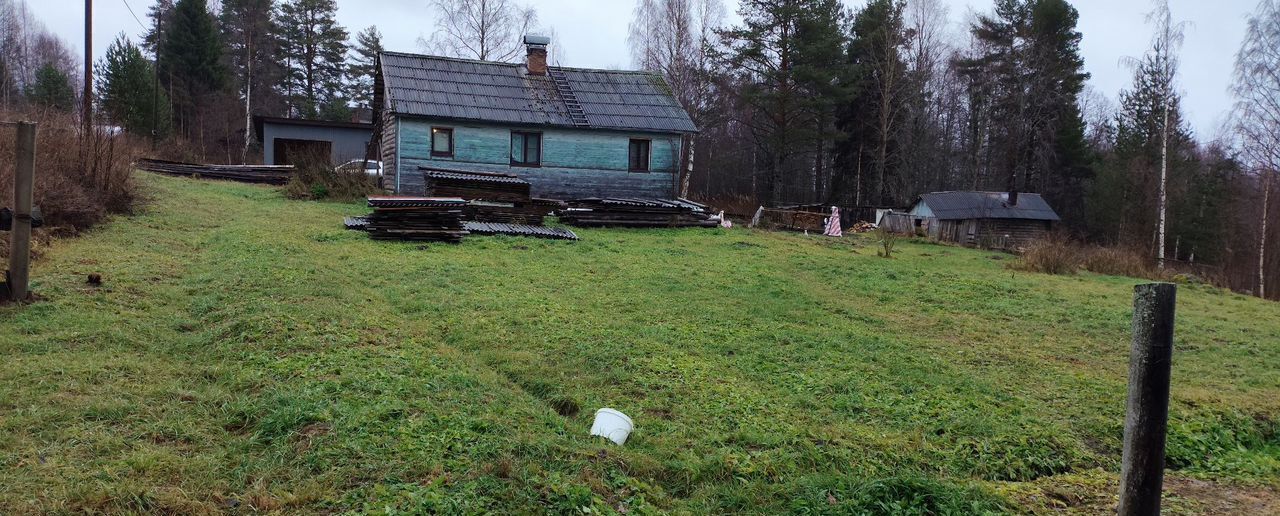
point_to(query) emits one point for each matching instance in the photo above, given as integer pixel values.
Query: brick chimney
(537, 57)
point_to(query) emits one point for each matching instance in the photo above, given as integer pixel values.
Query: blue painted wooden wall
(575, 162)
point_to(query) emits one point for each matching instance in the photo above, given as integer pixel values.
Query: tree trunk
(248, 94)
(1262, 240)
(1164, 179)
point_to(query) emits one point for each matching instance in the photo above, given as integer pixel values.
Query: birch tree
(1164, 54)
(488, 30)
(1257, 90)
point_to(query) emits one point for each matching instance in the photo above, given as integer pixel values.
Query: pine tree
(363, 66)
(786, 54)
(1028, 76)
(127, 90)
(191, 61)
(52, 89)
(315, 49)
(873, 115)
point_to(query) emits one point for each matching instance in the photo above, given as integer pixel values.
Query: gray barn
(285, 140)
(997, 220)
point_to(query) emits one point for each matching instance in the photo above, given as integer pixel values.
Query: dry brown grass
(315, 178)
(72, 193)
(1059, 255)
(1053, 255)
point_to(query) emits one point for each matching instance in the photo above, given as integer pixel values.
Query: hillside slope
(245, 352)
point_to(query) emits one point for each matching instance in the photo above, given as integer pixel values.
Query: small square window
(442, 142)
(526, 149)
(638, 156)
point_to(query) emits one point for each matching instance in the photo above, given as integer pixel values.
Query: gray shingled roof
(502, 92)
(987, 205)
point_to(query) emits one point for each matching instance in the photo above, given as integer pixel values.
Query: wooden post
(1147, 416)
(23, 178)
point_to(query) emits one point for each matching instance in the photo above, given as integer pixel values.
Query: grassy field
(245, 353)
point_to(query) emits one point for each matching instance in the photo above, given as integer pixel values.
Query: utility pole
(87, 99)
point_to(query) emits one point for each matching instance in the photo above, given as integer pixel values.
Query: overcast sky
(594, 34)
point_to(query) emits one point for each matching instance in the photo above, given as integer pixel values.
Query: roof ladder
(578, 116)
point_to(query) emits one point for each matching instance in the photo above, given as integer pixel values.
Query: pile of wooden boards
(638, 213)
(494, 197)
(260, 174)
(497, 228)
(431, 219)
(531, 212)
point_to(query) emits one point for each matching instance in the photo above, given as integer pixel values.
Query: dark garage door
(295, 152)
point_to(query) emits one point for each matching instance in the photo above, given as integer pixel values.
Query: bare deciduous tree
(673, 38)
(1257, 89)
(488, 30)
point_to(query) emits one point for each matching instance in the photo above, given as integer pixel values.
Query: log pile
(431, 219)
(638, 213)
(795, 220)
(258, 174)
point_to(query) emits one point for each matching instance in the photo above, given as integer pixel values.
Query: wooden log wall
(576, 163)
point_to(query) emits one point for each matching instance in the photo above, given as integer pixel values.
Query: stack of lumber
(530, 212)
(497, 228)
(638, 213)
(484, 186)
(431, 219)
(494, 197)
(260, 174)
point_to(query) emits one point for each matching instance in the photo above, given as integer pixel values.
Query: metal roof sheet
(987, 205)
(503, 92)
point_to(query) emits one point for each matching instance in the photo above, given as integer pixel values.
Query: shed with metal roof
(1000, 220)
(570, 132)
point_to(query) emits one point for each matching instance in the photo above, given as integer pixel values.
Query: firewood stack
(493, 197)
(431, 219)
(638, 213)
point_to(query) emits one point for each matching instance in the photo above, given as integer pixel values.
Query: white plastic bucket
(612, 425)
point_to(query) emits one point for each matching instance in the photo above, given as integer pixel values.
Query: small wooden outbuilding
(997, 220)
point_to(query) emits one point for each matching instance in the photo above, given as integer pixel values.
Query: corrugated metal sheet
(502, 92)
(987, 205)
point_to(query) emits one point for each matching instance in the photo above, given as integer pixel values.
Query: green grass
(247, 353)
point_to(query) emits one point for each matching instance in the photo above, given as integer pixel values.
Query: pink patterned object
(833, 224)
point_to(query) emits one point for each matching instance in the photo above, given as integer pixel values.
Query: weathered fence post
(23, 179)
(1147, 414)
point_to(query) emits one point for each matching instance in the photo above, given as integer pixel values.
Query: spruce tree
(314, 48)
(191, 61)
(127, 90)
(872, 116)
(363, 66)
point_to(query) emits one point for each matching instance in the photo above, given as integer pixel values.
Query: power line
(135, 16)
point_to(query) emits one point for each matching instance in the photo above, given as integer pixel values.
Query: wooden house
(570, 132)
(998, 220)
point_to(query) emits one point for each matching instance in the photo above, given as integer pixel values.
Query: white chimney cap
(537, 40)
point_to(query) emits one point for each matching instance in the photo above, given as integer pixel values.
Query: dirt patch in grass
(1097, 492)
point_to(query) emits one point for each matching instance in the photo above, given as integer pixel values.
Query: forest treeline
(855, 103)
(814, 102)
